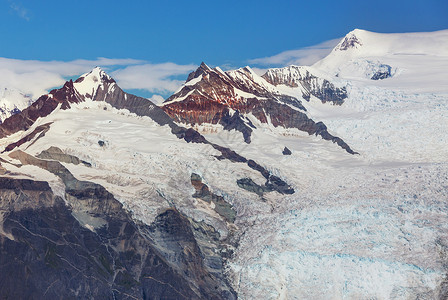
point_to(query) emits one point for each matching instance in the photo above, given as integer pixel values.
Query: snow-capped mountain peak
(88, 84)
(93, 86)
(350, 41)
(211, 96)
(203, 69)
(363, 55)
(106, 170)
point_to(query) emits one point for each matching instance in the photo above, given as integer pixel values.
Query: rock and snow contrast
(320, 182)
(238, 99)
(12, 102)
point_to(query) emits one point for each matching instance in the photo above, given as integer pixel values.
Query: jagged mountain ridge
(205, 274)
(379, 216)
(310, 84)
(229, 98)
(98, 86)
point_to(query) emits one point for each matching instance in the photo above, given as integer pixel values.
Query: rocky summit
(231, 98)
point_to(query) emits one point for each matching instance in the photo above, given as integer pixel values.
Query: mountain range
(305, 182)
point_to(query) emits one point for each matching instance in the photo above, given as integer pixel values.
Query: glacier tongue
(376, 233)
(369, 227)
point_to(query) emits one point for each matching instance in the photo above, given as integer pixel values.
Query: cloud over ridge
(35, 77)
(304, 56)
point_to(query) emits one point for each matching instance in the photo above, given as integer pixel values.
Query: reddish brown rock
(226, 98)
(43, 106)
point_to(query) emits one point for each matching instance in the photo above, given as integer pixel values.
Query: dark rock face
(295, 76)
(87, 246)
(273, 183)
(236, 122)
(214, 95)
(349, 42)
(383, 72)
(43, 106)
(138, 105)
(326, 92)
(209, 241)
(23, 184)
(49, 251)
(41, 130)
(277, 184)
(286, 151)
(111, 93)
(223, 208)
(68, 94)
(54, 153)
(285, 116)
(249, 185)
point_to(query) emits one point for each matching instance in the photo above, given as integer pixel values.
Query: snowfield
(372, 226)
(11, 101)
(367, 226)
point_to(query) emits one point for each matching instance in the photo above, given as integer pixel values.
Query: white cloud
(36, 77)
(259, 71)
(69, 68)
(156, 78)
(304, 57)
(157, 99)
(34, 83)
(21, 11)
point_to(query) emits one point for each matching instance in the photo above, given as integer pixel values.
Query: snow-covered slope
(236, 99)
(415, 60)
(368, 226)
(307, 82)
(364, 227)
(11, 102)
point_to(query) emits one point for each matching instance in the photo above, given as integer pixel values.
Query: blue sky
(225, 33)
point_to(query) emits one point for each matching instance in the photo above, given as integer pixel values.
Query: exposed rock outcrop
(286, 151)
(383, 72)
(302, 77)
(226, 98)
(249, 185)
(56, 249)
(42, 107)
(223, 208)
(350, 41)
(40, 131)
(98, 86)
(54, 153)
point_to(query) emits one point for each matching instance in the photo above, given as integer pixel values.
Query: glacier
(367, 226)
